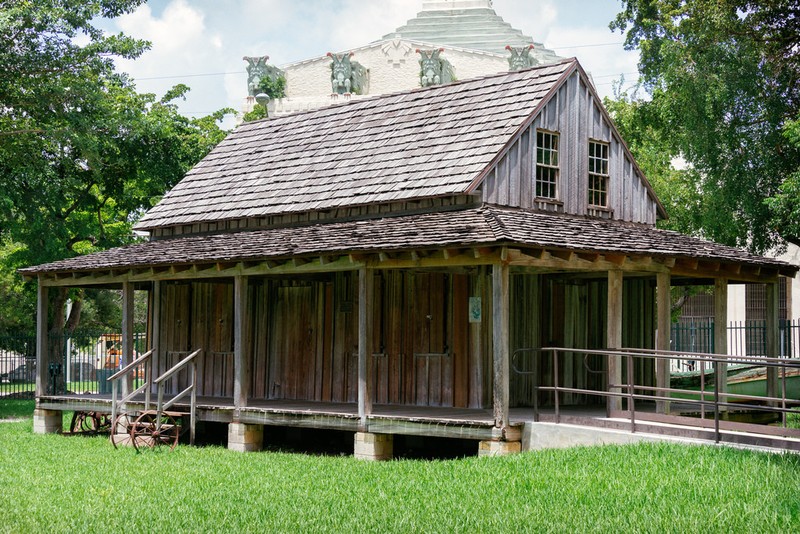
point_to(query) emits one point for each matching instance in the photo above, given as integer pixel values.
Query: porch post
(365, 293)
(773, 337)
(721, 331)
(664, 303)
(42, 355)
(241, 364)
(127, 332)
(500, 344)
(155, 329)
(614, 337)
(44, 421)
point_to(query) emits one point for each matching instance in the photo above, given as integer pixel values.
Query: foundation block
(369, 446)
(245, 438)
(499, 448)
(47, 421)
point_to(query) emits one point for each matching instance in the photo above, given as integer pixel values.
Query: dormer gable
(571, 159)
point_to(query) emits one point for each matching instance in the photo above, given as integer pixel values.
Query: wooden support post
(241, 363)
(42, 350)
(476, 345)
(773, 337)
(500, 344)
(127, 333)
(155, 332)
(664, 323)
(365, 293)
(614, 337)
(721, 331)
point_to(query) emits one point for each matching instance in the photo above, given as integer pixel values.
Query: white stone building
(470, 35)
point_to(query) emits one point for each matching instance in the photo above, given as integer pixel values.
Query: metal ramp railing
(710, 401)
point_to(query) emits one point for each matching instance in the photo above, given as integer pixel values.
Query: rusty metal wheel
(149, 431)
(121, 430)
(79, 423)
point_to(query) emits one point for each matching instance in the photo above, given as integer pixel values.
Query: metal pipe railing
(633, 392)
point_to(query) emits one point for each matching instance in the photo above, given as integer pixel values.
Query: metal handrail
(160, 383)
(123, 373)
(632, 392)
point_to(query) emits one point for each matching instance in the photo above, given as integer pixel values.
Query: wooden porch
(428, 421)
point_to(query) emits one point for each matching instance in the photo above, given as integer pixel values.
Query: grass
(66, 484)
(15, 409)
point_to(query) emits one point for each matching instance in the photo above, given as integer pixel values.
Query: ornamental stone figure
(347, 76)
(520, 58)
(434, 70)
(258, 70)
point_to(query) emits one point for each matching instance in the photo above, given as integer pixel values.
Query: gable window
(546, 164)
(598, 174)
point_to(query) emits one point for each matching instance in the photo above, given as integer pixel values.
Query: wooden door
(294, 342)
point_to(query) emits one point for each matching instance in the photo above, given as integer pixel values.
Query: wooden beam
(663, 328)
(500, 344)
(563, 255)
(241, 363)
(365, 294)
(614, 336)
(127, 331)
(155, 330)
(616, 259)
(42, 352)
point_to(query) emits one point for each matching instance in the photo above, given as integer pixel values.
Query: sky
(201, 42)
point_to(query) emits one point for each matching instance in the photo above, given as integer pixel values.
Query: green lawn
(73, 484)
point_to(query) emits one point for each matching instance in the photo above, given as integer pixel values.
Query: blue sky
(201, 42)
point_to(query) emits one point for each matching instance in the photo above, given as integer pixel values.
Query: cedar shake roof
(416, 144)
(484, 226)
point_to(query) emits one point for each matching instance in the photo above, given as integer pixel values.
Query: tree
(82, 154)
(723, 78)
(273, 88)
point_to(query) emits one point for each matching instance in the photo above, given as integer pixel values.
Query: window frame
(598, 176)
(553, 170)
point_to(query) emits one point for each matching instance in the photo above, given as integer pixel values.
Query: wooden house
(382, 265)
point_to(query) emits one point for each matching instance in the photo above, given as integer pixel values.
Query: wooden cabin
(382, 266)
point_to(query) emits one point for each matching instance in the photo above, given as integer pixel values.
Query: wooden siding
(577, 117)
(304, 342)
(557, 310)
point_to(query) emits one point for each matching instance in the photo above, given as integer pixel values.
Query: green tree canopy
(723, 79)
(82, 154)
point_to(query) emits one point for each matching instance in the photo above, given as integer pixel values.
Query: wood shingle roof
(483, 226)
(416, 144)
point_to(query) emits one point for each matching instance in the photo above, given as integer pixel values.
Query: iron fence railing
(745, 338)
(82, 362)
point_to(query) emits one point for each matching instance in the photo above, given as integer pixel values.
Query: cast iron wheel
(149, 431)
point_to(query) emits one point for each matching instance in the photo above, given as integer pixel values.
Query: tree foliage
(82, 154)
(723, 80)
(273, 88)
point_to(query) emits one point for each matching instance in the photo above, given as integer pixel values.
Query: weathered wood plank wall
(304, 336)
(555, 310)
(576, 116)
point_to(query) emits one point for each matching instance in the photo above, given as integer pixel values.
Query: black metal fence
(745, 338)
(83, 362)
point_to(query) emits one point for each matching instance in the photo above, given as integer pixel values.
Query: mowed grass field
(57, 483)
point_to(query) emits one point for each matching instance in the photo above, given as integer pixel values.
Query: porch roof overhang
(473, 236)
